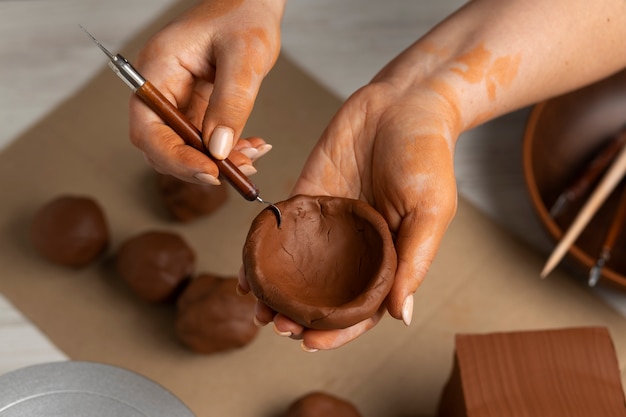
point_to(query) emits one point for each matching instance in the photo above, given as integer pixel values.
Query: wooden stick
(599, 163)
(608, 183)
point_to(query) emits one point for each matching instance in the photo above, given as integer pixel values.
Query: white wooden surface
(45, 58)
(22, 344)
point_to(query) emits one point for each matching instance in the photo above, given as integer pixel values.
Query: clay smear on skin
(218, 8)
(441, 131)
(478, 66)
(502, 73)
(257, 65)
(448, 93)
(249, 75)
(475, 67)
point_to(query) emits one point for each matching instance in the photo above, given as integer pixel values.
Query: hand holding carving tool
(180, 124)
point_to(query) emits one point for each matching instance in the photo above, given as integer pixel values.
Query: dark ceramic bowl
(329, 265)
(561, 137)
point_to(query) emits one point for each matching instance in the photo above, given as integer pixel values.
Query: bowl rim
(321, 316)
(541, 210)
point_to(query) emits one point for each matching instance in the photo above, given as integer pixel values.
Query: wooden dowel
(598, 164)
(608, 183)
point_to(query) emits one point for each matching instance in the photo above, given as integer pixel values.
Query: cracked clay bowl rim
(358, 308)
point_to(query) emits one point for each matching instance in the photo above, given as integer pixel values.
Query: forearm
(494, 56)
(218, 8)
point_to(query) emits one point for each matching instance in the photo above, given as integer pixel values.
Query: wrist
(470, 86)
(215, 8)
(526, 53)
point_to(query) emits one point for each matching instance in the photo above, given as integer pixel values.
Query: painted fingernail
(207, 178)
(240, 291)
(241, 277)
(407, 310)
(250, 152)
(262, 150)
(258, 323)
(247, 169)
(307, 349)
(221, 142)
(280, 333)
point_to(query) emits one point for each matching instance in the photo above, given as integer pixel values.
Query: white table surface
(342, 44)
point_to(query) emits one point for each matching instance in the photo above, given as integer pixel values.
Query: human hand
(391, 146)
(209, 63)
(392, 142)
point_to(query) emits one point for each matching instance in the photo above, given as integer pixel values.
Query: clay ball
(316, 404)
(186, 201)
(155, 264)
(70, 231)
(329, 265)
(212, 317)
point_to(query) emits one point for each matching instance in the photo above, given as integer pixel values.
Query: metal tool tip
(594, 276)
(274, 208)
(596, 271)
(105, 50)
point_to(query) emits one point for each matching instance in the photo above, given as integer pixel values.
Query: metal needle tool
(611, 237)
(609, 181)
(180, 124)
(592, 172)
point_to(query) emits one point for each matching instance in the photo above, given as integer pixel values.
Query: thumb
(417, 242)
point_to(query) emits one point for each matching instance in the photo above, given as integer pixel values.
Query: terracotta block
(566, 372)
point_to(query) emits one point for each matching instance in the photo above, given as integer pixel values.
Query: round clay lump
(320, 403)
(186, 201)
(329, 265)
(70, 231)
(211, 316)
(155, 264)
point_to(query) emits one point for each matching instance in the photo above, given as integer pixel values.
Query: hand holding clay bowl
(329, 265)
(561, 136)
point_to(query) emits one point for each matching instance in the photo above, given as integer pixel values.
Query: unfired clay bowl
(329, 265)
(561, 135)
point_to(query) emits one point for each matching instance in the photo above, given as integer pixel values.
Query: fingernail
(263, 149)
(240, 291)
(278, 332)
(221, 142)
(247, 169)
(241, 277)
(307, 349)
(407, 310)
(250, 152)
(257, 323)
(207, 178)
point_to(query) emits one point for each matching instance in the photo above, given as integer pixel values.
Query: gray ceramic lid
(84, 389)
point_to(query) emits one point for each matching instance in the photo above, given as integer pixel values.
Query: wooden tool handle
(607, 184)
(193, 137)
(598, 164)
(617, 224)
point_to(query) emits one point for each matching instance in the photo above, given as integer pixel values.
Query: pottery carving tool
(609, 242)
(592, 172)
(149, 94)
(607, 184)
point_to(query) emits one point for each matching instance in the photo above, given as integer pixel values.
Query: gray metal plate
(84, 389)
